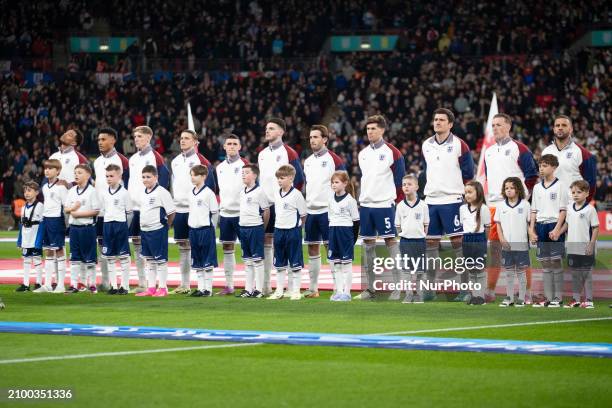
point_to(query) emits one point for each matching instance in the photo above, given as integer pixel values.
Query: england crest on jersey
(553, 196)
(449, 149)
(569, 155)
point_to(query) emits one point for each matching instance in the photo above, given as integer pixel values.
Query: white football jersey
(514, 221)
(289, 208)
(55, 197)
(88, 197)
(547, 202)
(181, 177)
(116, 204)
(229, 177)
(100, 165)
(155, 207)
(138, 161)
(29, 235)
(69, 158)
(580, 223)
(202, 205)
(412, 219)
(343, 210)
(270, 159)
(318, 169)
(448, 166)
(382, 168)
(252, 204)
(467, 216)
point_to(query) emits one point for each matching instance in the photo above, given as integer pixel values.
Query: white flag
(487, 141)
(190, 124)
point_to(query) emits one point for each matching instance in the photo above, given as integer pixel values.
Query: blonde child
(343, 232)
(412, 222)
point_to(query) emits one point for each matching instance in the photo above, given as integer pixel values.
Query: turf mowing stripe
(123, 353)
(316, 339)
(492, 326)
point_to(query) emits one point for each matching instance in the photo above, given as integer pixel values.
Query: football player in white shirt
(412, 221)
(117, 206)
(382, 168)
(318, 169)
(269, 160)
(475, 218)
(107, 138)
(181, 190)
(156, 216)
(54, 226)
(69, 156)
(290, 213)
(548, 209)
(229, 174)
(575, 162)
(582, 226)
(254, 216)
(448, 166)
(82, 207)
(507, 157)
(203, 208)
(145, 156)
(512, 218)
(30, 235)
(343, 233)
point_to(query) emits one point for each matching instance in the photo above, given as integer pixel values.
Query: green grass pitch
(291, 376)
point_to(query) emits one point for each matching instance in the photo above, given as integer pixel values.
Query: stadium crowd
(251, 29)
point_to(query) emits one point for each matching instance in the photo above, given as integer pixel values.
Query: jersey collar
(418, 200)
(581, 208)
(199, 191)
(67, 150)
(111, 153)
(146, 150)
(513, 206)
(449, 139)
(152, 190)
(320, 152)
(571, 142)
(280, 191)
(189, 152)
(505, 141)
(115, 192)
(82, 191)
(231, 159)
(340, 198)
(54, 183)
(377, 144)
(246, 191)
(551, 184)
(274, 146)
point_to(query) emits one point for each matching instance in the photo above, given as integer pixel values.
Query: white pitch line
(123, 353)
(492, 326)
